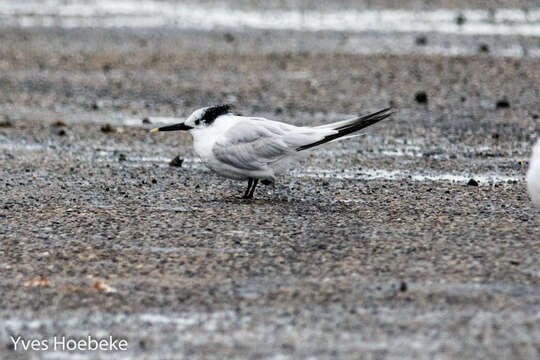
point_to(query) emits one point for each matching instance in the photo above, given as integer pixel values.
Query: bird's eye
(197, 122)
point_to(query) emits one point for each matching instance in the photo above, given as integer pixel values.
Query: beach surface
(417, 240)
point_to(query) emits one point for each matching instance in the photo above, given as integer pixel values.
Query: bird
(533, 175)
(258, 149)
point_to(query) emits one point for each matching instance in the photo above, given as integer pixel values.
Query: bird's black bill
(174, 127)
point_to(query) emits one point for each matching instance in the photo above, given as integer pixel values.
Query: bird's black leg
(255, 182)
(246, 194)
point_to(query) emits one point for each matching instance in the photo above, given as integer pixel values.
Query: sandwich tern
(254, 148)
(533, 174)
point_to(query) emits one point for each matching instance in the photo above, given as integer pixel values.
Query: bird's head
(199, 119)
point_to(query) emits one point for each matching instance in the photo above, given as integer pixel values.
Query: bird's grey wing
(252, 145)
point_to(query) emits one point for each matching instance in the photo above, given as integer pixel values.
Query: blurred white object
(533, 175)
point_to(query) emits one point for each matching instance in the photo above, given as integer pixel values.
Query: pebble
(502, 104)
(421, 40)
(177, 161)
(421, 97)
(107, 128)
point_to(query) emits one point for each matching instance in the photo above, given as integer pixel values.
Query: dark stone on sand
(483, 48)
(472, 182)
(460, 19)
(146, 121)
(6, 123)
(58, 123)
(122, 157)
(228, 37)
(142, 344)
(421, 97)
(534, 116)
(61, 132)
(503, 104)
(421, 40)
(95, 106)
(107, 128)
(436, 151)
(177, 161)
(403, 286)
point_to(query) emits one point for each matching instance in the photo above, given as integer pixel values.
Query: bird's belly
(226, 170)
(203, 149)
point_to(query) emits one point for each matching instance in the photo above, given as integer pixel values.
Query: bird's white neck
(205, 138)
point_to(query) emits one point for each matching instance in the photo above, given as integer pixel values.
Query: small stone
(503, 104)
(228, 37)
(6, 122)
(403, 286)
(472, 182)
(421, 97)
(177, 161)
(38, 281)
(142, 344)
(146, 121)
(460, 19)
(61, 132)
(421, 40)
(107, 128)
(58, 123)
(483, 48)
(122, 157)
(103, 287)
(154, 181)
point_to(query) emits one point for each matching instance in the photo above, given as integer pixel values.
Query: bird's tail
(347, 127)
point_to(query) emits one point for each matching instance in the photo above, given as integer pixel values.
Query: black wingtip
(359, 124)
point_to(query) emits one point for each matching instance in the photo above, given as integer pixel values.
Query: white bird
(254, 148)
(533, 175)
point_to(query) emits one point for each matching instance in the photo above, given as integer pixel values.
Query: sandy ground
(329, 263)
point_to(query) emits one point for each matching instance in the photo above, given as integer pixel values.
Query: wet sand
(338, 260)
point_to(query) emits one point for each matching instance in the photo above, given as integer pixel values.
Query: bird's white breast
(204, 139)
